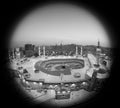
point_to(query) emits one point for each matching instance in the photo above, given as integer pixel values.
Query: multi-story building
(29, 50)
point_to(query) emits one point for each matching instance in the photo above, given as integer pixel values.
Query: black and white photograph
(58, 54)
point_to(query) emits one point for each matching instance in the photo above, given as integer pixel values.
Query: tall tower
(81, 52)
(98, 44)
(44, 51)
(39, 51)
(98, 52)
(61, 49)
(76, 50)
(98, 49)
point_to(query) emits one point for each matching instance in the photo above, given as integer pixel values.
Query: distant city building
(17, 53)
(22, 52)
(29, 50)
(36, 51)
(29, 47)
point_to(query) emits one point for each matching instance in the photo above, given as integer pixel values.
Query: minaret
(61, 49)
(98, 44)
(44, 51)
(98, 51)
(39, 51)
(76, 50)
(81, 51)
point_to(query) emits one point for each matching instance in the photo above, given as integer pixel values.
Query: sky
(60, 23)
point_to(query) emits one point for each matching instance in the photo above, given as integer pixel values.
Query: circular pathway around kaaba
(57, 67)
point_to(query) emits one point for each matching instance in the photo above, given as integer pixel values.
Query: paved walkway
(57, 66)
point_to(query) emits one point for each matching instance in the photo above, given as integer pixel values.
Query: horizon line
(60, 44)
